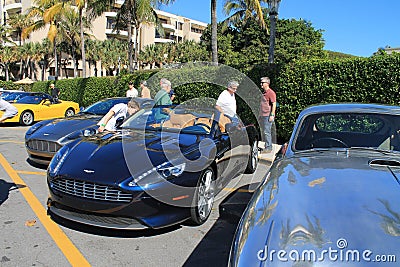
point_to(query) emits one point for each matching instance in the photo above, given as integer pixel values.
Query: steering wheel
(329, 142)
(204, 125)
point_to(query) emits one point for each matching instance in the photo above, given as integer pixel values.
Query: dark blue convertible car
(45, 138)
(164, 166)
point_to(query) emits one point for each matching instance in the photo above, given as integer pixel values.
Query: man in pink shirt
(267, 112)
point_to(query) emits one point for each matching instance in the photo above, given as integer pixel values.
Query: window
(196, 30)
(354, 123)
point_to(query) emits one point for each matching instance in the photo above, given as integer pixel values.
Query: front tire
(69, 112)
(26, 118)
(204, 197)
(253, 158)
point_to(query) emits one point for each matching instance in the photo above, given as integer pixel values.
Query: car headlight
(79, 134)
(58, 160)
(89, 132)
(166, 170)
(171, 170)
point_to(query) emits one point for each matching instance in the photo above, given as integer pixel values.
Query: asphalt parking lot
(30, 238)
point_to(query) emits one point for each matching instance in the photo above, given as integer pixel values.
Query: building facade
(176, 28)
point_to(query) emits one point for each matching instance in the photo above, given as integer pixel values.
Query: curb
(268, 157)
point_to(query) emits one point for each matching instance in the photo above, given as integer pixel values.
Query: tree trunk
(136, 46)
(6, 71)
(271, 49)
(214, 27)
(130, 45)
(82, 44)
(55, 60)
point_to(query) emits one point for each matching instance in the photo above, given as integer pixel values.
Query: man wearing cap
(267, 112)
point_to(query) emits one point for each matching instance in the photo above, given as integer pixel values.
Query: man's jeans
(267, 125)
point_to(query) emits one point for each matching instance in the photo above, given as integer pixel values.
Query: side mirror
(119, 121)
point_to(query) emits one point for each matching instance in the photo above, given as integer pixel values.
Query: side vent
(384, 163)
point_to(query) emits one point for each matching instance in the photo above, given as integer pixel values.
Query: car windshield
(34, 99)
(15, 96)
(171, 118)
(103, 106)
(349, 130)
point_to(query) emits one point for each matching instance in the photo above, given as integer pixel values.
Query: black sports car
(45, 138)
(331, 198)
(164, 166)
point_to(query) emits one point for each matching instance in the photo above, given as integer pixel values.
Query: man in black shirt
(55, 92)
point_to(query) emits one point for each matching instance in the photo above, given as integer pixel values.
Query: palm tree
(243, 10)
(69, 28)
(214, 28)
(46, 12)
(7, 56)
(5, 31)
(133, 14)
(94, 8)
(18, 22)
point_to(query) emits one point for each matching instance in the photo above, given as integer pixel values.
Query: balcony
(110, 32)
(163, 40)
(168, 27)
(12, 5)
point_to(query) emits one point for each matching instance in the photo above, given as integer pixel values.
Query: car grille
(44, 146)
(90, 190)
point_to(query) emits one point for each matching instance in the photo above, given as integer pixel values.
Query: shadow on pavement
(213, 249)
(5, 188)
(36, 165)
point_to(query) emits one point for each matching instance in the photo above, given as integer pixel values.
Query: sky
(356, 27)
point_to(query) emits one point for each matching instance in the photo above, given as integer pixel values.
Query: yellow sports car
(40, 106)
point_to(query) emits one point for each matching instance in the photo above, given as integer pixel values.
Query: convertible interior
(349, 130)
(180, 121)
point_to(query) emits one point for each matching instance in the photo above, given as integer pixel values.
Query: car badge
(46, 134)
(88, 171)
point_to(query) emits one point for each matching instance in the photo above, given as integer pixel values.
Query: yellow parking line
(69, 250)
(11, 141)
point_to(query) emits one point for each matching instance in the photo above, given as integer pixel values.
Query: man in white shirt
(121, 110)
(226, 102)
(131, 92)
(9, 110)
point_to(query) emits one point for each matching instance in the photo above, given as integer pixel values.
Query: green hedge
(298, 85)
(363, 80)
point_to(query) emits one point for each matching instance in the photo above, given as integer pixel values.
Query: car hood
(322, 202)
(112, 158)
(58, 128)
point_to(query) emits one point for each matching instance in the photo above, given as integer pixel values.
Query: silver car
(332, 196)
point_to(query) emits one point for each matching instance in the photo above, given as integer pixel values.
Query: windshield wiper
(374, 149)
(311, 150)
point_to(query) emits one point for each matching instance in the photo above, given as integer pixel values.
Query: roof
(351, 107)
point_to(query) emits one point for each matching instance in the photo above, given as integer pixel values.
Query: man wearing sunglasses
(267, 112)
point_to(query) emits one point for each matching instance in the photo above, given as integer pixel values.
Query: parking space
(31, 238)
